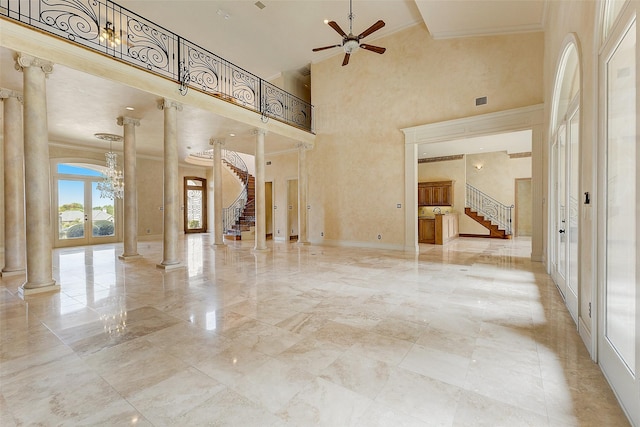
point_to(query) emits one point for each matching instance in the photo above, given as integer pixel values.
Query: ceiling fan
(351, 43)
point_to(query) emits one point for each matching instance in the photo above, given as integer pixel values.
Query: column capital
(259, 131)
(8, 93)
(217, 141)
(304, 146)
(122, 120)
(23, 60)
(165, 103)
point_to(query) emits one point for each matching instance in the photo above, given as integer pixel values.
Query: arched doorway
(565, 177)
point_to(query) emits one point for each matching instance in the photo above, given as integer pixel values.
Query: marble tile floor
(469, 334)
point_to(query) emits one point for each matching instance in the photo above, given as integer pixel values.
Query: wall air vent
(260, 5)
(481, 101)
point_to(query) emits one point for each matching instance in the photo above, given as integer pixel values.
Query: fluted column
(261, 238)
(303, 188)
(14, 227)
(36, 172)
(217, 191)
(130, 250)
(171, 191)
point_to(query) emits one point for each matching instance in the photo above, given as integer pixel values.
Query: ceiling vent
(481, 101)
(260, 5)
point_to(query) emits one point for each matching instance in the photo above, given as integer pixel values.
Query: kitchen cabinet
(426, 230)
(439, 193)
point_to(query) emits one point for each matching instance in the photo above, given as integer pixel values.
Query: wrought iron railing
(232, 213)
(108, 28)
(490, 208)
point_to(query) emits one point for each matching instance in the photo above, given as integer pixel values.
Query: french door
(565, 173)
(619, 319)
(195, 202)
(84, 217)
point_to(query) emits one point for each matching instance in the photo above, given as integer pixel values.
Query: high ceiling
(265, 41)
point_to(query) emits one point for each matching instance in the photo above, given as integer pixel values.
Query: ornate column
(130, 250)
(217, 191)
(36, 172)
(261, 238)
(171, 191)
(303, 188)
(14, 227)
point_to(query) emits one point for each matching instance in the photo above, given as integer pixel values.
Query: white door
(619, 320)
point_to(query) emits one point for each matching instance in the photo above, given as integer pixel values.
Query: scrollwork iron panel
(149, 46)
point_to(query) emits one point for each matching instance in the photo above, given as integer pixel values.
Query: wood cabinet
(426, 230)
(439, 193)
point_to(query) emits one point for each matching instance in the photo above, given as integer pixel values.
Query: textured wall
(357, 167)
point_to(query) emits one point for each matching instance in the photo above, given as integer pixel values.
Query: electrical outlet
(399, 205)
(148, 231)
(379, 236)
(322, 234)
(278, 231)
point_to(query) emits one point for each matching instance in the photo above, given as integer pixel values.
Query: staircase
(488, 212)
(239, 219)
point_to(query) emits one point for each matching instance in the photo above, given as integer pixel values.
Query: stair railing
(231, 214)
(490, 208)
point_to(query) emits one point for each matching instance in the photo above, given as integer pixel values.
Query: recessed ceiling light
(129, 108)
(326, 21)
(232, 134)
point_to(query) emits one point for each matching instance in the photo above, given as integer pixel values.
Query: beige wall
(357, 166)
(524, 211)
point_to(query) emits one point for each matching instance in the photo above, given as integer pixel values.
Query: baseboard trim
(485, 236)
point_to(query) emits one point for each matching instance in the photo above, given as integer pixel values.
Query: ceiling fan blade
(335, 26)
(375, 27)
(326, 47)
(376, 49)
(345, 61)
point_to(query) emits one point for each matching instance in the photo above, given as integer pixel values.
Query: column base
(126, 258)
(299, 243)
(170, 266)
(259, 251)
(9, 273)
(24, 291)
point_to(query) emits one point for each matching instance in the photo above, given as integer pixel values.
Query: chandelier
(112, 186)
(108, 34)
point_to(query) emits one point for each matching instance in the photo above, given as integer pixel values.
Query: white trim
(357, 244)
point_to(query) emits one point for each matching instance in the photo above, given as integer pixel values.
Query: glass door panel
(561, 226)
(571, 229)
(102, 214)
(195, 212)
(617, 338)
(72, 217)
(620, 281)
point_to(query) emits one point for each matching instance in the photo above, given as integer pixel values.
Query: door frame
(117, 203)
(185, 190)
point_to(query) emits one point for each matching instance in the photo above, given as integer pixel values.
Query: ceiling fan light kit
(350, 43)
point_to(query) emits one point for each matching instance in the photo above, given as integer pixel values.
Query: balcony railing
(113, 30)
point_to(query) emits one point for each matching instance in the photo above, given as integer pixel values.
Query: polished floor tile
(468, 334)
